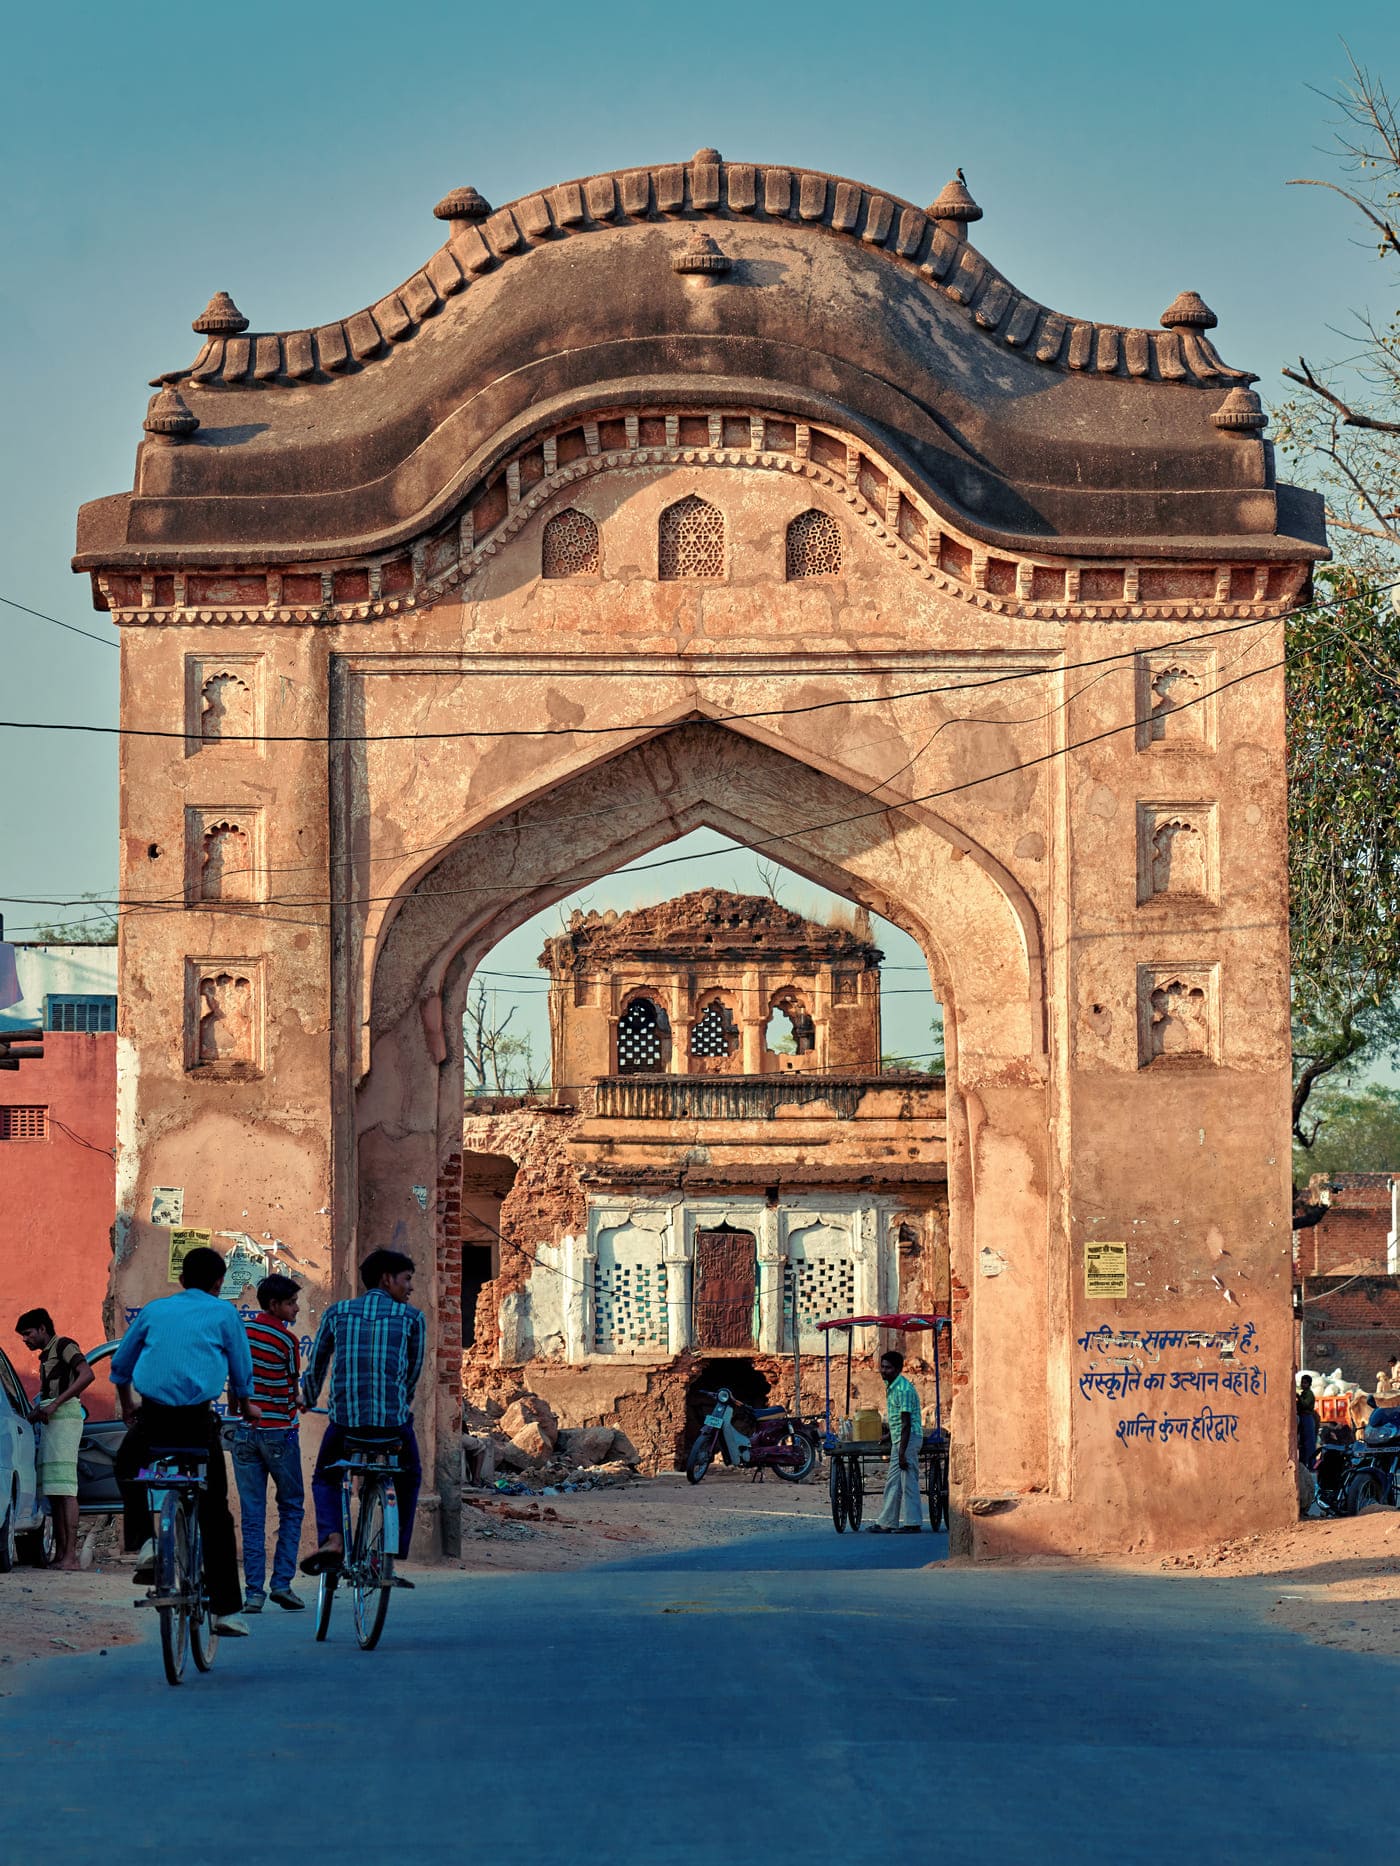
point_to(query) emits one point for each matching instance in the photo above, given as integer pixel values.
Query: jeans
(900, 1507)
(260, 1452)
(325, 1483)
(192, 1426)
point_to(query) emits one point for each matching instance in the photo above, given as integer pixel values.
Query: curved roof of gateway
(706, 283)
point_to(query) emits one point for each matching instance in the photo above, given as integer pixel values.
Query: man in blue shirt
(180, 1353)
(376, 1343)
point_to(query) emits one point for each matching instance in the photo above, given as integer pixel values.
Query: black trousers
(195, 1426)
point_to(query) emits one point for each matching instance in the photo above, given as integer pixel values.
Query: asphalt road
(796, 1698)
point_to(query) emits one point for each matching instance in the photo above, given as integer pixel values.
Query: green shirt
(902, 1399)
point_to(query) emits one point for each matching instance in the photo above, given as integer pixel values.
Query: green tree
(1343, 431)
(1343, 680)
(1357, 1131)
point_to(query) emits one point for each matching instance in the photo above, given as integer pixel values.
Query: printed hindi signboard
(181, 1244)
(1105, 1269)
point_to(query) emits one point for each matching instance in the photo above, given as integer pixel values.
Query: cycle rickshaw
(857, 1466)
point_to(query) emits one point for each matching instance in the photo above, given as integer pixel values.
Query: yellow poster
(1105, 1269)
(181, 1244)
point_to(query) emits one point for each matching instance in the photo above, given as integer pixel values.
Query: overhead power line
(690, 669)
(255, 910)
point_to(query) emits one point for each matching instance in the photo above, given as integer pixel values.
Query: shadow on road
(808, 1550)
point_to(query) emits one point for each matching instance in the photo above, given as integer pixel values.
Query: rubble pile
(516, 1445)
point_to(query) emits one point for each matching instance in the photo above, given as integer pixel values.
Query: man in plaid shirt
(374, 1347)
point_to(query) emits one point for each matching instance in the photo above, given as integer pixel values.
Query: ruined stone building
(714, 493)
(725, 1165)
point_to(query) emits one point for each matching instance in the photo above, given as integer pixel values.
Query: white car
(23, 1518)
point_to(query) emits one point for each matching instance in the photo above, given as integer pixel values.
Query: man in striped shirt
(374, 1347)
(272, 1448)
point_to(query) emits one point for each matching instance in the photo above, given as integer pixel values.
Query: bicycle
(174, 1479)
(370, 1543)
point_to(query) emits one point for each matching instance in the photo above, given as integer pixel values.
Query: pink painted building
(58, 1118)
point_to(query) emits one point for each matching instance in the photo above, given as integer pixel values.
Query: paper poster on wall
(1105, 1269)
(181, 1244)
(168, 1205)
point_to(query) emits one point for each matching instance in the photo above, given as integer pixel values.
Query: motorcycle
(1374, 1476)
(1332, 1466)
(777, 1442)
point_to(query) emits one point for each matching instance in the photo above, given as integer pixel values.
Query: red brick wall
(1346, 1241)
(1351, 1322)
(449, 1274)
(58, 1196)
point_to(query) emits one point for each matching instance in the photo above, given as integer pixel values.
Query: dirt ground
(1336, 1583)
(1338, 1579)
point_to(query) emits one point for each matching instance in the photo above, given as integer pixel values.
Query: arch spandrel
(974, 920)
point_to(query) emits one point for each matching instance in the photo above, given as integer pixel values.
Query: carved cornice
(709, 189)
(1037, 587)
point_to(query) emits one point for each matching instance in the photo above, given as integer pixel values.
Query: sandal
(321, 1561)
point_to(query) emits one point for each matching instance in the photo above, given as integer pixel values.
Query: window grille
(815, 1289)
(81, 1012)
(639, 1037)
(813, 546)
(714, 1033)
(691, 542)
(570, 546)
(24, 1123)
(629, 1307)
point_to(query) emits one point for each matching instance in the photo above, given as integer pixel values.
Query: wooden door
(725, 1285)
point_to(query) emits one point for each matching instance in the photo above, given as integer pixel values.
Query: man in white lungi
(63, 1375)
(900, 1510)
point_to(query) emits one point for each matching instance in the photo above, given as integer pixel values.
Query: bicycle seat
(373, 1438)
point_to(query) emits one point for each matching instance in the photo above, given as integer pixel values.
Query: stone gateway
(715, 494)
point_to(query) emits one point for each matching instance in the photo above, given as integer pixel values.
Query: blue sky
(292, 155)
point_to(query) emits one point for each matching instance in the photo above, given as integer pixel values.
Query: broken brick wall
(1351, 1322)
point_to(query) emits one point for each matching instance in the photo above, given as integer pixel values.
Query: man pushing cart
(855, 1463)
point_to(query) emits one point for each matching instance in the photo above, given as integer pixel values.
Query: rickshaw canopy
(909, 1323)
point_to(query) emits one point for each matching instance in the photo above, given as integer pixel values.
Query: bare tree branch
(1350, 417)
(1389, 235)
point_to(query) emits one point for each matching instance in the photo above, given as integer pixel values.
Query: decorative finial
(1189, 311)
(1241, 413)
(462, 204)
(169, 417)
(221, 317)
(701, 258)
(706, 158)
(955, 203)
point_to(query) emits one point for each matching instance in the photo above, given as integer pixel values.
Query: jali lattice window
(813, 546)
(570, 546)
(691, 541)
(815, 1289)
(714, 1032)
(629, 1307)
(641, 1037)
(24, 1123)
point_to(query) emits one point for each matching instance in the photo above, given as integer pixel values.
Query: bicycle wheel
(370, 1582)
(172, 1584)
(204, 1641)
(855, 1492)
(325, 1600)
(836, 1490)
(937, 1488)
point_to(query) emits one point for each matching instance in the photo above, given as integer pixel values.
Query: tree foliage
(1344, 832)
(1343, 432)
(497, 1061)
(1358, 1132)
